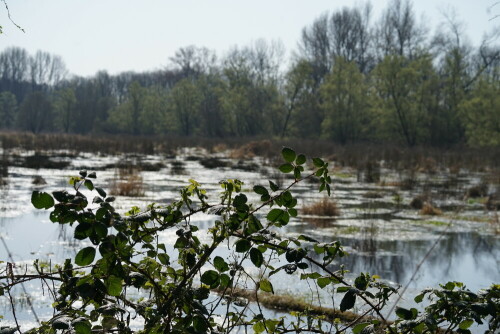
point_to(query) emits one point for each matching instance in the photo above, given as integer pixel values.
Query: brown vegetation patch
(289, 304)
(178, 167)
(212, 163)
(262, 148)
(38, 180)
(128, 183)
(479, 190)
(429, 210)
(372, 194)
(325, 207)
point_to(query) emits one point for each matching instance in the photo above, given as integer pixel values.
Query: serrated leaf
(85, 256)
(286, 168)
(288, 154)
(266, 286)
(41, 200)
(256, 257)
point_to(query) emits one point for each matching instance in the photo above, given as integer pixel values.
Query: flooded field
(412, 228)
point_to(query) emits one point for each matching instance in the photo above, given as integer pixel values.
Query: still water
(382, 237)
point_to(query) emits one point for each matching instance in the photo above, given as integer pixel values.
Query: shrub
(123, 253)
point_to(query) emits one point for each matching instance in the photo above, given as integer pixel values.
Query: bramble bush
(127, 272)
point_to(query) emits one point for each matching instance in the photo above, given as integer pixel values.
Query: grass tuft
(325, 207)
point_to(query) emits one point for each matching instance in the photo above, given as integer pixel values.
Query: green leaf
(82, 327)
(301, 159)
(259, 327)
(243, 245)
(225, 280)
(274, 215)
(113, 285)
(286, 168)
(404, 313)
(260, 190)
(466, 324)
(266, 286)
(323, 281)
(419, 298)
(256, 257)
(361, 282)
(273, 186)
(449, 286)
(82, 231)
(41, 200)
(89, 185)
(220, 264)
(200, 324)
(359, 327)
(164, 259)
(100, 191)
(348, 301)
(92, 175)
(288, 154)
(210, 277)
(85, 256)
(296, 173)
(318, 162)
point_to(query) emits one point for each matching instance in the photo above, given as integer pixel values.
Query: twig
(10, 18)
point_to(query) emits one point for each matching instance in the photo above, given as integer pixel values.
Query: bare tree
(399, 32)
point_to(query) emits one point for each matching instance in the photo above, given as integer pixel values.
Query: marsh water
(378, 227)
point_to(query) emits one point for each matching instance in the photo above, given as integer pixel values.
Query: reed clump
(429, 210)
(326, 207)
(128, 183)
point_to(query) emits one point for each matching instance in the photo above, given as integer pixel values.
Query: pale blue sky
(121, 35)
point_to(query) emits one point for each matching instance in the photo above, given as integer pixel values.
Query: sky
(125, 35)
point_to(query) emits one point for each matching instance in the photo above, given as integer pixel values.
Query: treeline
(351, 79)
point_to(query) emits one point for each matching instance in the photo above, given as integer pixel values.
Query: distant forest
(352, 79)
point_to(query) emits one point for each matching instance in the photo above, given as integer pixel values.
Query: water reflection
(469, 257)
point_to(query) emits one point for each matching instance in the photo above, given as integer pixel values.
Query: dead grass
(38, 180)
(129, 183)
(263, 148)
(289, 303)
(325, 207)
(429, 210)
